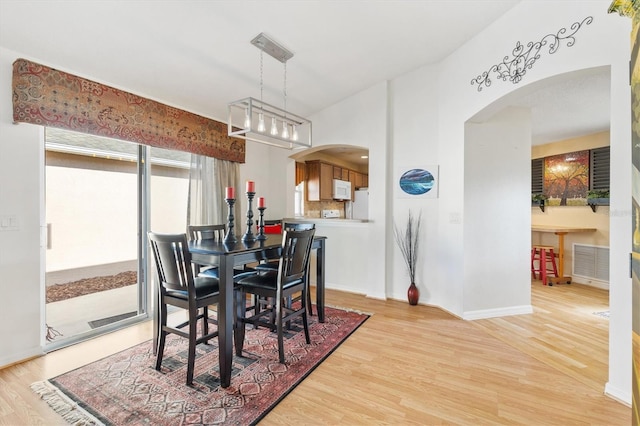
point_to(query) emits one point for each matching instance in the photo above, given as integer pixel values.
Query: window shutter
(537, 176)
(599, 168)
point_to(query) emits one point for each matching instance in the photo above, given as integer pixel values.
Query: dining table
(228, 257)
(560, 231)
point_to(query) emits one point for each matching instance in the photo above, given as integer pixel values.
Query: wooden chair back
(294, 260)
(173, 262)
(206, 232)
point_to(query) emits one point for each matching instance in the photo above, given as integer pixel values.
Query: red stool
(544, 255)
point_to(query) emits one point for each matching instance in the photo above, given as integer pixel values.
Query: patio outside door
(97, 216)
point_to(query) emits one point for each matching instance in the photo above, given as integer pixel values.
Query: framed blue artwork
(417, 182)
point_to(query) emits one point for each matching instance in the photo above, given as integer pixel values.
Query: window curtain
(208, 178)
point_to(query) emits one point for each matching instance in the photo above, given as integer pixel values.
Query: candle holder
(261, 235)
(231, 235)
(248, 236)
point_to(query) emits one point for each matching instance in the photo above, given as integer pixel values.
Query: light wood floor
(415, 365)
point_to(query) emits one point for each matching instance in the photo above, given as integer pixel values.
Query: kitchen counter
(332, 221)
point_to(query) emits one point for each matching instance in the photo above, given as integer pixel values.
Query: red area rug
(124, 388)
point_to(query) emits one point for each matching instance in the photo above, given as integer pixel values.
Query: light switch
(9, 223)
(455, 218)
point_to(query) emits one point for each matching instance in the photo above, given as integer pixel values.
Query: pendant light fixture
(248, 117)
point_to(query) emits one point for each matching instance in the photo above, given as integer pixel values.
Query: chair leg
(256, 307)
(289, 305)
(241, 311)
(280, 328)
(272, 313)
(543, 266)
(552, 257)
(305, 320)
(162, 337)
(309, 306)
(191, 357)
(205, 323)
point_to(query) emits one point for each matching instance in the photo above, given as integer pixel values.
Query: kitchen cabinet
(353, 177)
(301, 173)
(319, 181)
(320, 177)
(340, 173)
(357, 181)
(361, 180)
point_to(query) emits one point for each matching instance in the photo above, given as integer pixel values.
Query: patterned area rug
(124, 388)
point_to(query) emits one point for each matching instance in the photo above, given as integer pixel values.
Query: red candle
(230, 193)
(251, 186)
(261, 202)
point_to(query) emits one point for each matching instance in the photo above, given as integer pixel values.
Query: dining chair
(277, 285)
(180, 288)
(206, 232)
(271, 263)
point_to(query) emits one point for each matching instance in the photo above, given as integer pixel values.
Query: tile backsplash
(313, 209)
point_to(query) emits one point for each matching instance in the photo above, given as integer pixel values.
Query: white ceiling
(196, 54)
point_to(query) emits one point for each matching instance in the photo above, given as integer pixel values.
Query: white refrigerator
(360, 207)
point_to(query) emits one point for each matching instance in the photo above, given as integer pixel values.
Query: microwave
(341, 189)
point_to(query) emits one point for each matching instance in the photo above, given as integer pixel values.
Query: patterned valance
(48, 97)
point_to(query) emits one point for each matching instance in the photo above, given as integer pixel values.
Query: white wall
(347, 260)
(605, 42)
(414, 143)
(362, 121)
(265, 166)
(497, 184)
(21, 157)
(620, 295)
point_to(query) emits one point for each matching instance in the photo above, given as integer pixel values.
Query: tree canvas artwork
(566, 178)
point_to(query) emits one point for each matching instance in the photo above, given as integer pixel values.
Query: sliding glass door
(98, 194)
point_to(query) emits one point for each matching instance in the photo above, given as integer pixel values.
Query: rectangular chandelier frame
(244, 120)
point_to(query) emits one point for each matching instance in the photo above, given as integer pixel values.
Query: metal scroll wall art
(522, 58)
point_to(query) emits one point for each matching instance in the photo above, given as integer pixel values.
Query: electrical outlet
(330, 214)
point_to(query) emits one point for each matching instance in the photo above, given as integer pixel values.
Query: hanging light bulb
(274, 127)
(261, 127)
(285, 130)
(247, 119)
(294, 133)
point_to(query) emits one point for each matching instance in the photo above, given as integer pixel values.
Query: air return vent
(591, 262)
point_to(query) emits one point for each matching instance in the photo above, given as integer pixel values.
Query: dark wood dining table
(228, 256)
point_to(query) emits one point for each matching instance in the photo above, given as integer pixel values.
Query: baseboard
(338, 287)
(500, 312)
(604, 285)
(376, 296)
(18, 358)
(618, 394)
